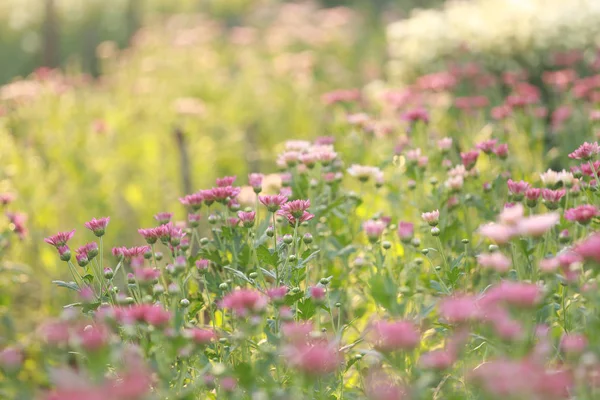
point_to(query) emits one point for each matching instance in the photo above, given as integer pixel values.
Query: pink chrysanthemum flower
(202, 264)
(487, 146)
(194, 201)
(296, 332)
(277, 294)
(225, 181)
(496, 261)
(590, 248)
(415, 115)
(586, 151)
(444, 144)
(18, 223)
(537, 225)
(201, 336)
(501, 150)
(255, 180)
(244, 302)
(459, 309)
(469, 158)
(373, 229)
(151, 235)
(432, 217)
(273, 202)
(223, 194)
(517, 189)
(295, 208)
(394, 335)
(129, 253)
(316, 359)
(98, 226)
(146, 275)
(573, 343)
(6, 198)
(518, 294)
(406, 231)
(553, 197)
(60, 239)
(247, 218)
(163, 217)
(583, 214)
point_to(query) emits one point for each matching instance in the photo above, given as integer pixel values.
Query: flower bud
(65, 253)
(148, 255)
(425, 251)
(204, 241)
(108, 273)
(324, 281)
(292, 258)
(253, 275)
(184, 303)
(270, 231)
(158, 255)
(416, 242)
(158, 289)
(288, 239)
(386, 245)
(223, 286)
(173, 288)
(435, 231)
(307, 238)
(212, 219)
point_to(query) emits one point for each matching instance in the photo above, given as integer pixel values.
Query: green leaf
(266, 257)
(306, 309)
(68, 285)
(383, 291)
(239, 274)
(303, 261)
(436, 286)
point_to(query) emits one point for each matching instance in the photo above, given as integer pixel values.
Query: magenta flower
(6, 198)
(18, 221)
(202, 264)
(201, 336)
(394, 335)
(586, 151)
(437, 359)
(590, 248)
(295, 208)
(573, 343)
(296, 332)
(537, 225)
(496, 261)
(151, 235)
(532, 195)
(194, 201)
(98, 226)
(552, 197)
(317, 359)
(444, 144)
(223, 194)
(518, 294)
(487, 146)
(373, 229)
(163, 217)
(432, 217)
(255, 180)
(146, 275)
(469, 158)
(225, 181)
(277, 294)
(583, 214)
(406, 231)
(517, 189)
(244, 302)
(317, 293)
(130, 253)
(194, 219)
(60, 239)
(501, 151)
(324, 140)
(459, 309)
(415, 115)
(247, 218)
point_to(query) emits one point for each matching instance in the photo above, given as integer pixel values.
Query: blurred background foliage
(148, 84)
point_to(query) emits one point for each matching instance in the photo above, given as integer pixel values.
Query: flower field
(255, 213)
